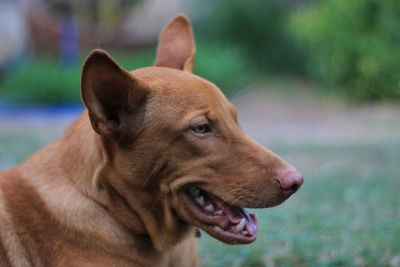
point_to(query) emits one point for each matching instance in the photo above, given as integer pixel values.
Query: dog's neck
(78, 157)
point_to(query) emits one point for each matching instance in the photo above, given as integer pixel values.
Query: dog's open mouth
(223, 221)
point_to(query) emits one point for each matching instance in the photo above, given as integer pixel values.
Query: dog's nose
(290, 181)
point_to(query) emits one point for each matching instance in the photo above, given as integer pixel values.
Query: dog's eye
(201, 129)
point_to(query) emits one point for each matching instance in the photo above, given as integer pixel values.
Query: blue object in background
(39, 115)
(69, 41)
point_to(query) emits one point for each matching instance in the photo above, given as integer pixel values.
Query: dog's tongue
(236, 214)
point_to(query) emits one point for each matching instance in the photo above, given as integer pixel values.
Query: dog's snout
(290, 182)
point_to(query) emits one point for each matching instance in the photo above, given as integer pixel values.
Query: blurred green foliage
(256, 27)
(352, 46)
(46, 81)
(226, 66)
(41, 81)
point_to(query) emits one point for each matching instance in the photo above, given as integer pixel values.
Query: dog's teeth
(200, 200)
(209, 208)
(218, 212)
(241, 225)
(244, 232)
(194, 192)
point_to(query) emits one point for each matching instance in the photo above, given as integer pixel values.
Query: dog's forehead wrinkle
(183, 94)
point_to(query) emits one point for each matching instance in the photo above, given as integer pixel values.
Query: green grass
(346, 214)
(17, 143)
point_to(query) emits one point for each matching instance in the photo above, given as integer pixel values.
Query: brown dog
(157, 153)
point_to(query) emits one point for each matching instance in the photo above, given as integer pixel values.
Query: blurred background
(316, 81)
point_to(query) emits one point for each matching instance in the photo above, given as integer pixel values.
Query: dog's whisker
(240, 97)
(229, 195)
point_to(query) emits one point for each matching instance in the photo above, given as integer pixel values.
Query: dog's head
(175, 155)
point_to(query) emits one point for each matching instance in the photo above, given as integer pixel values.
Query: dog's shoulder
(12, 252)
(16, 199)
(10, 179)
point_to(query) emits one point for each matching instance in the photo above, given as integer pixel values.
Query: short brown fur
(109, 192)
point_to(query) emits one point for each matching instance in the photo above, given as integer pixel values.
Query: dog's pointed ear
(110, 93)
(176, 47)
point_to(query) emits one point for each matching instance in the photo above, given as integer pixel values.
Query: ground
(348, 211)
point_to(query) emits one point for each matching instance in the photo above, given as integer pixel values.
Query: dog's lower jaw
(227, 223)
